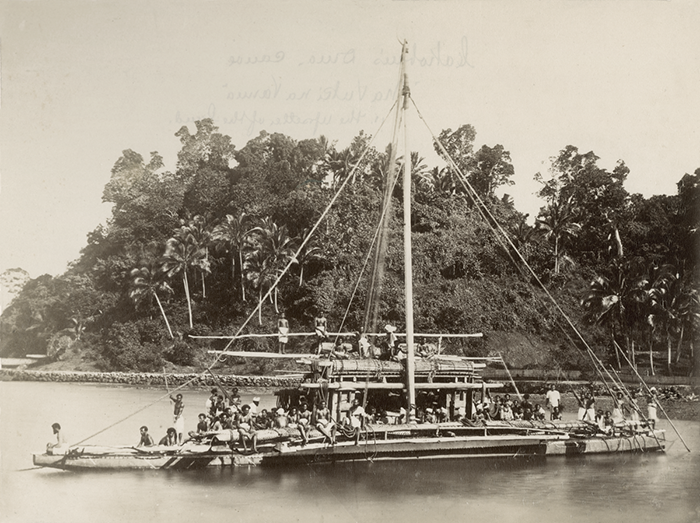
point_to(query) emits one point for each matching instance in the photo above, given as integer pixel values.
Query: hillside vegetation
(194, 251)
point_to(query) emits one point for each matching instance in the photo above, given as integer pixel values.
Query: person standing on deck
(211, 401)
(581, 404)
(320, 328)
(282, 332)
(553, 400)
(178, 417)
(590, 407)
(619, 408)
(652, 406)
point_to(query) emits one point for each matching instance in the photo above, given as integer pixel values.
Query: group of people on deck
(228, 413)
(356, 345)
(606, 421)
(508, 409)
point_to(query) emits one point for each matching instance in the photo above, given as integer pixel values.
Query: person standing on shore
(178, 417)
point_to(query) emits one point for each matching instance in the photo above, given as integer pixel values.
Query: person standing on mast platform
(282, 331)
(320, 328)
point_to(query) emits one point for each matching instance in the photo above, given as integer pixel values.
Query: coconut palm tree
(269, 251)
(145, 283)
(612, 300)
(278, 250)
(688, 317)
(673, 308)
(232, 234)
(557, 222)
(201, 231)
(182, 251)
(311, 252)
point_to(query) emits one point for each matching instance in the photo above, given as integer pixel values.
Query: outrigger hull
(409, 449)
(608, 444)
(86, 458)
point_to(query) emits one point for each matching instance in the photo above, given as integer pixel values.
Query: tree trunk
(240, 260)
(668, 349)
(167, 323)
(617, 355)
(634, 360)
(556, 255)
(651, 355)
(260, 305)
(618, 243)
(187, 295)
(680, 342)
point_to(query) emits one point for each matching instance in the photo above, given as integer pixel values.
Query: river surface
(659, 487)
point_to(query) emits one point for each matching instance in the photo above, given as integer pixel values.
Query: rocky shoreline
(146, 379)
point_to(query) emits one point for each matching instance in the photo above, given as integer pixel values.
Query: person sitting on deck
(216, 425)
(430, 416)
(507, 412)
(556, 413)
(281, 419)
(211, 400)
(496, 413)
(262, 421)
(517, 411)
(202, 424)
(226, 421)
(304, 422)
(170, 438)
(527, 407)
(363, 345)
(600, 420)
(244, 424)
(323, 422)
(61, 441)
(539, 413)
(356, 419)
(146, 440)
(608, 423)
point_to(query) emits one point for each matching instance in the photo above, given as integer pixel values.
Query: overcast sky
(82, 81)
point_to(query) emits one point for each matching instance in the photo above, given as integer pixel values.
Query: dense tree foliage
(197, 250)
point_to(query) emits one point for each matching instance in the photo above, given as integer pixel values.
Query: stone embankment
(146, 379)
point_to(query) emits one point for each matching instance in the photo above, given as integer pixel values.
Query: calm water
(632, 488)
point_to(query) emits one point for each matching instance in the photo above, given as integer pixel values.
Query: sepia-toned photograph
(351, 261)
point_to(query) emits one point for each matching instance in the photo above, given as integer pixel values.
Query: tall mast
(408, 260)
